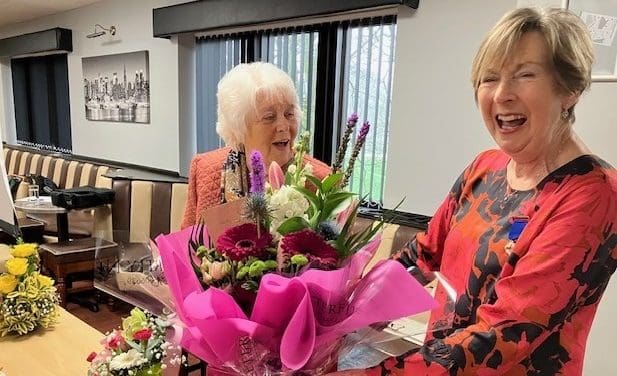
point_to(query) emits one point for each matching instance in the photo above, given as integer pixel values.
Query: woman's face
(520, 103)
(272, 130)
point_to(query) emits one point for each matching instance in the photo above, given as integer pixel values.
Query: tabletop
(60, 350)
(41, 205)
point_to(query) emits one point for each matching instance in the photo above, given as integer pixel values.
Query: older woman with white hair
(258, 109)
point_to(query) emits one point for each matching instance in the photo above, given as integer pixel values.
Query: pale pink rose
(219, 270)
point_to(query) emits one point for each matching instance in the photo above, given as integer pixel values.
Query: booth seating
(143, 209)
(65, 171)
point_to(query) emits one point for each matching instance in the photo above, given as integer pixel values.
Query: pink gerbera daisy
(312, 245)
(241, 242)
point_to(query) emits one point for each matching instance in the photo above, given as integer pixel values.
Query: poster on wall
(117, 87)
(600, 16)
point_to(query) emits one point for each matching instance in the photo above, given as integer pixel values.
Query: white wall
(435, 126)
(155, 144)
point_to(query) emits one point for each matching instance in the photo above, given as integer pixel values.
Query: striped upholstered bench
(65, 171)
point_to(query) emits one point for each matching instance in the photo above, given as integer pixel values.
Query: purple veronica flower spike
(342, 149)
(352, 120)
(356, 151)
(258, 173)
(363, 132)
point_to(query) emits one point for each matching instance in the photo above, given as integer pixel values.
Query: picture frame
(117, 87)
(600, 16)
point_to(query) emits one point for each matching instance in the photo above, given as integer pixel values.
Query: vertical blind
(368, 92)
(338, 68)
(41, 99)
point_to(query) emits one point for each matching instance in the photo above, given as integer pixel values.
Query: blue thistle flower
(328, 229)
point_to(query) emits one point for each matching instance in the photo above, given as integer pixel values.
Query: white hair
(237, 97)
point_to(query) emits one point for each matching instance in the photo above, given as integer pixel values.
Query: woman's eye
(269, 117)
(526, 75)
(289, 115)
(488, 79)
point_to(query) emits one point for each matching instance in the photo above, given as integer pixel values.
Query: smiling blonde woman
(528, 234)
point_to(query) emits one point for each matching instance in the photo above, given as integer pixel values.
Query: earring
(565, 114)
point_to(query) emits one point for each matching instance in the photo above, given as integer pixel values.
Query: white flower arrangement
(138, 349)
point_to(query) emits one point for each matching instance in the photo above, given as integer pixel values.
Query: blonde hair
(568, 41)
(239, 91)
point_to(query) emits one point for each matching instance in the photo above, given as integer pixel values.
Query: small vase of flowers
(28, 299)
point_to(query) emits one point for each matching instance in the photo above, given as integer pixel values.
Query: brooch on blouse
(517, 227)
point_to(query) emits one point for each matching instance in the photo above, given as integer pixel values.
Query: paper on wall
(601, 27)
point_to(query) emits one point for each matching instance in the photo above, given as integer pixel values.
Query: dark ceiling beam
(40, 42)
(206, 15)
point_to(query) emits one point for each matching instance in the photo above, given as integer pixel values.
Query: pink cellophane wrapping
(293, 318)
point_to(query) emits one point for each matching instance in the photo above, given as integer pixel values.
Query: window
(338, 68)
(368, 92)
(41, 95)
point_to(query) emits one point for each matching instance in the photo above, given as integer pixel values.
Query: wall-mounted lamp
(111, 30)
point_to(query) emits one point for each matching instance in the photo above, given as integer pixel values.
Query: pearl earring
(565, 114)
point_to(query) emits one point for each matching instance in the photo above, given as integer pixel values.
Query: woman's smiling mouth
(281, 144)
(510, 122)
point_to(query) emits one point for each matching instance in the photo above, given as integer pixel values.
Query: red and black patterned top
(526, 311)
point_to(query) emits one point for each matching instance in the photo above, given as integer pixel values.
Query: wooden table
(60, 350)
(63, 259)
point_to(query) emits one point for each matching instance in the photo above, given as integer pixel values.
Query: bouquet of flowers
(138, 349)
(28, 299)
(279, 293)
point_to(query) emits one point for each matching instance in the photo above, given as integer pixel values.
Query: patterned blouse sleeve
(563, 264)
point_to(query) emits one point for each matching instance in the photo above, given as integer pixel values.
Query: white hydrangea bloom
(287, 203)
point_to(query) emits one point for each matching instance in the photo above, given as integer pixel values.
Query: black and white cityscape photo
(117, 87)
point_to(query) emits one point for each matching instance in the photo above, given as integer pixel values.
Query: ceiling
(15, 11)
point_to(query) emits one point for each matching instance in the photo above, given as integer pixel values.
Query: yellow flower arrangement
(27, 299)
(17, 266)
